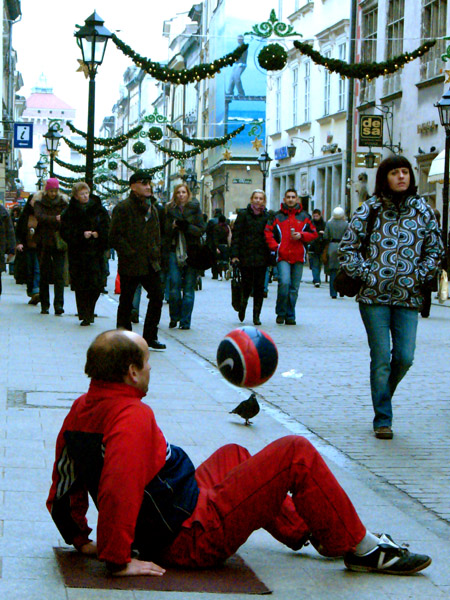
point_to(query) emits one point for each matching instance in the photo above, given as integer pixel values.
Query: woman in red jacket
(286, 235)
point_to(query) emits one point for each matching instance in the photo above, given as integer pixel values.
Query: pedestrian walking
(84, 227)
(7, 241)
(48, 207)
(404, 252)
(134, 234)
(184, 227)
(26, 245)
(250, 252)
(334, 232)
(287, 234)
(315, 248)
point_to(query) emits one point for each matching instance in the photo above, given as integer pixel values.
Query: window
(394, 29)
(434, 19)
(341, 98)
(326, 88)
(307, 89)
(369, 25)
(294, 95)
(277, 104)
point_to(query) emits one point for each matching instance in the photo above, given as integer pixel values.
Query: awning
(436, 172)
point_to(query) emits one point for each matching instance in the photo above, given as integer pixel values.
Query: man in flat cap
(135, 235)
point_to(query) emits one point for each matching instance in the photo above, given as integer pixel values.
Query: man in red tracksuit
(154, 505)
(287, 234)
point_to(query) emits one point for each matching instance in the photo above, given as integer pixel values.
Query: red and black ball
(247, 357)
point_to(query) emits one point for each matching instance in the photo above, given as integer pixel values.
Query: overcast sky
(45, 43)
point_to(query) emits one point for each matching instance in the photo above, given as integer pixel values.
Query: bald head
(111, 354)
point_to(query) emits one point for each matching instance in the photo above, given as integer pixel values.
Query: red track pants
(240, 493)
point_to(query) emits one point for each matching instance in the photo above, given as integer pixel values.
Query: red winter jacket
(134, 452)
(278, 233)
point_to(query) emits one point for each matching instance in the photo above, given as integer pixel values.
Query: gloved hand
(181, 224)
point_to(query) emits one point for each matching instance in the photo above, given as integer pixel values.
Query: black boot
(257, 306)
(241, 313)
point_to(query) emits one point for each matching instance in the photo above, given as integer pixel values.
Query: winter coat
(134, 233)
(278, 233)
(7, 237)
(248, 243)
(86, 256)
(46, 211)
(189, 220)
(404, 252)
(25, 225)
(334, 232)
(317, 245)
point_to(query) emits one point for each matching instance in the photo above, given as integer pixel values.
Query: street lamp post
(92, 39)
(443, 107)
(52, 139)
(264, 164)
(39, 168)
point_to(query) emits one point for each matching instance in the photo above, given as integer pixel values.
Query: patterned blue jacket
(404, 251)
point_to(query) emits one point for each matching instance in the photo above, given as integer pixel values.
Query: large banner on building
(239, 93)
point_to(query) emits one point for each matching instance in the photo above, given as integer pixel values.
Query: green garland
(177, 154)
(363, 70)
(77, 168)
(151, 171)
(109, 142)
(96, 153)
(155, 133)
(113, 192)
(273, 57)
(183, 76)
(205, 144)
(112, 165)
(139, 148)
(68, 179)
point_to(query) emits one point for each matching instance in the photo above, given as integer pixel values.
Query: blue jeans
(33, 274)
(332, 273)
(181, 291)
(316, 267)
(289, 278)
(387, 368)
(137, 298)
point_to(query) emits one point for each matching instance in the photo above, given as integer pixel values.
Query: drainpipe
(350, 110)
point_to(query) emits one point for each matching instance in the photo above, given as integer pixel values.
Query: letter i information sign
(23, 135)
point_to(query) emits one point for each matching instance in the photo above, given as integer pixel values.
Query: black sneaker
(156, 346)
(44, 311)
(388, 557)
(290, 322)
(59, 311)
(280, 320)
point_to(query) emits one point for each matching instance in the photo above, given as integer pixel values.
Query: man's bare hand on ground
(140, 567)
(89, 549)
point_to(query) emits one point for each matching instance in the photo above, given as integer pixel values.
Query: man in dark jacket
(315, 249)
(287, 235)
(135, 235)
(48, 207)
(7, 240)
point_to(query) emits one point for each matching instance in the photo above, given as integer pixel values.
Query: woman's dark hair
(388, 164)
(110, 356)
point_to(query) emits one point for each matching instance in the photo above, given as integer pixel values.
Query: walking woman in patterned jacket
(403, 256)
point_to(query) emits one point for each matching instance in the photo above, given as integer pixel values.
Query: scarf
(180, 250)
(257, 210)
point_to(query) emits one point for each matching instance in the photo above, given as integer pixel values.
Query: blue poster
(23, 135)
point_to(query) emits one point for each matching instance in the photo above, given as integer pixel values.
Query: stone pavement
(41, 372)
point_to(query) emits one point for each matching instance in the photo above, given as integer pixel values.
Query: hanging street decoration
(273, 27)
(83, 68)
(179, 154)
(182, 172)
(227, 154)
(115, 141)
(367, 71)
(77, 168)
(96, 153)
(257, 144)
(139, 148)
(149, 171)
(273, 57)
(446, 56)
(204, 144)
(183, 76)
(155, 117)
(112, 165)
(68, 179)
(155, 133)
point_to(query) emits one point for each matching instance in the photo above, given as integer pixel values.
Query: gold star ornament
(447, 74)
(257, 144)
(227, 155)
(182, 171)
(83, 68)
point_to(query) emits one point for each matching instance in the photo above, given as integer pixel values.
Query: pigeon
(247, 409)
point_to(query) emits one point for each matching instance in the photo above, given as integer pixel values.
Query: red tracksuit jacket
(278, 233)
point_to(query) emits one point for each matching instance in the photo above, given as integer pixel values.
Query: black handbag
(343, 283)
(236, 289)
(200, 256)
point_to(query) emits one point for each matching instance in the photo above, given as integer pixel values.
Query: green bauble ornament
(112, 165)
(273, 57)
(155, 133)
(139, 148)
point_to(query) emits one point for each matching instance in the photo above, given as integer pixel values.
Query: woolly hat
(338, 213)
(140, 175)
(52, 184)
